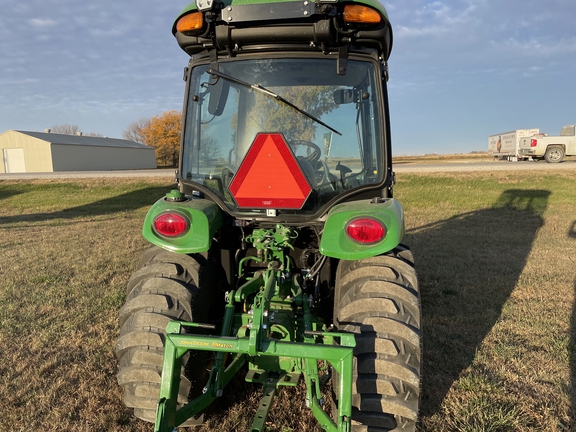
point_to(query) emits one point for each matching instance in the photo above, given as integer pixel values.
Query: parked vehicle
(553, 149)
(507, 144)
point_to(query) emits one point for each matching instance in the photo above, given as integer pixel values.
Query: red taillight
(365, 230)
(171, 224)
(533, 142)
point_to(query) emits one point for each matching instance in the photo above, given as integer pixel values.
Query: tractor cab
(286, 111)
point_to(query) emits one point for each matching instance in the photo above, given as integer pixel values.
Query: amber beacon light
(361, 14)
(191, 23)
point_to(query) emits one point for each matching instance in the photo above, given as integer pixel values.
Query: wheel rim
(555, 155)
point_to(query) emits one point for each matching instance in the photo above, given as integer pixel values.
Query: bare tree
(65, 129)
(209, 149)
(68, 129)
(134, 131)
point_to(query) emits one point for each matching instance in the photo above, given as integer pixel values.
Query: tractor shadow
(468, 266)
(125, 202)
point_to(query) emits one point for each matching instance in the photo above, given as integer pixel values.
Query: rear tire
(554, 154)
(165, 287)
(377, 299)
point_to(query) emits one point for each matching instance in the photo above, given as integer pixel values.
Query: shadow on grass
(126, 202)
(468, 266)
(6, 192)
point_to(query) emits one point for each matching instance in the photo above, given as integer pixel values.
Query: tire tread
(377, 299)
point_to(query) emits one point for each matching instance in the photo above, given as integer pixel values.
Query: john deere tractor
(279, 257)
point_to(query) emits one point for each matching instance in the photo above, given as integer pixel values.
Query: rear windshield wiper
(271, 94)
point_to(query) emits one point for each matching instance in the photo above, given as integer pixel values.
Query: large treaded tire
(377, 299)
(165, 287)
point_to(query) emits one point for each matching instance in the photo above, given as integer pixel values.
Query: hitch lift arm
(275, 357)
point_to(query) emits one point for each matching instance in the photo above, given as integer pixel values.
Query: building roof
(54, 138)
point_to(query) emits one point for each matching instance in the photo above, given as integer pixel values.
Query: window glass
(339, 150)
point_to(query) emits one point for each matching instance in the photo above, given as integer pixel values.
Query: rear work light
(533, 142)
(171, 224)
(365, 230)
(360, 14)
(191, 24)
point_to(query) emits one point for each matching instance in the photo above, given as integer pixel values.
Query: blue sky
(460, 70)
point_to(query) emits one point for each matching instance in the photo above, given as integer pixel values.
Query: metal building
(49, 152)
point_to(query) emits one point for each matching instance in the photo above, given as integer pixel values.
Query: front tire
(165, 287)
(378, 300)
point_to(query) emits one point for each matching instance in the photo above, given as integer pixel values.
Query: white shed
(24, 151)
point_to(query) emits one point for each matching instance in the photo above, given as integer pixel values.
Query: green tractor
(280, 255)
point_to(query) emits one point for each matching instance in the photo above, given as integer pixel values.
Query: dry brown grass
(63, 269)
(497, 266)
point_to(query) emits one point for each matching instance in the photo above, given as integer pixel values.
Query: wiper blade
(271, 94)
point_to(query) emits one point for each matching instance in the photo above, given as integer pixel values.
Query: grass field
(496, 259)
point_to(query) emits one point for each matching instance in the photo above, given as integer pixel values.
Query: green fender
(204, 217)
(335, 242)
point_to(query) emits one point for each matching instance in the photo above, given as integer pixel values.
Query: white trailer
(507, 144)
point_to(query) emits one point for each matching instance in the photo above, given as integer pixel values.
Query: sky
(460, 70)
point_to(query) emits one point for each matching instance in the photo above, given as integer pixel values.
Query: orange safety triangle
(269, 176)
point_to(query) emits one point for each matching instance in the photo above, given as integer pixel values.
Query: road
(398, 167)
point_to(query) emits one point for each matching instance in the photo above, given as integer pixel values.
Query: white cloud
(106, 32)
(435, 9)
(42, 22)
(542, 48)
(436, 18)
(417, 32)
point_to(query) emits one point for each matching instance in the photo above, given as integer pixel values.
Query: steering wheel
(315, 151)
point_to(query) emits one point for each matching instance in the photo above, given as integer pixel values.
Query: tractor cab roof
(227, 27)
